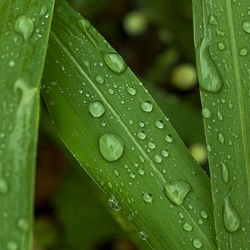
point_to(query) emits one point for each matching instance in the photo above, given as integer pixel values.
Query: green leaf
(222, 33)
(93, 96)
(24, 33)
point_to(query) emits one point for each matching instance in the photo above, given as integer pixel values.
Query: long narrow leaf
(116, 131)
(222, 33)
(24, 28)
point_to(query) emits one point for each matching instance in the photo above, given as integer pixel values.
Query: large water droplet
(96, 109)
(114, 204)
(148, 197)
(114, 62)
(246, 26)
(24, 26)
(197, 243)
(85, 26)
(111, 147)
(147, 106)
(225, 174)
(177, 191)
(231, 217)
(3, 186)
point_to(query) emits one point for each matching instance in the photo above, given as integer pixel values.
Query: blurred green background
(155, 39)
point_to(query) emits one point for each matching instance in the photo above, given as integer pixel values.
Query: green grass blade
(24, 30)
(117, 142)
(222, 33)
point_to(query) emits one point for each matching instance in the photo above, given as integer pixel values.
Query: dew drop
(143, 235)
(177, 191)
(11, 63)
(147, 106)
(221, 46)
(148, 198)
(99, 79)
(197, 243)
(3, 186)
(111, 147)
(169, 138)
(22, 224)
(114, 62)
(221, 138)
(157, 158)
(24, 26)
(204, 215)
(114, 204)
(85, 25)
(151, 145)
(131, 90)
(231, 217)
(164, 153)
(246, 26)
(159, 124)
(212, 20)
(141, 171)
(225, 174)
(141, 124)
(243, 52)
(187, 227)
(141, 135)
(44, 10)
(96, 109)
(206, 113)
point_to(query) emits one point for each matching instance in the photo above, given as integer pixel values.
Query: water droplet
(225, 174)
(11, 63)
(243, 52)
(131, 90)
(85, 26)
(221, 46)
(206, 113)
(151, 145)
(231, 217)
(99, 79)
(246, 26)
(141, 124)
(111, 147)
(114, 204)
(204, 215)
(143, 235)
(96, 109)
(116, 173)
(114, 62)
(24, 26)
(169, 138)
(164, 153)
(220, 116)
(148, 197)
(132, 176)
(221, 138)
(23, 224)
(141, 171)
(141, 135)
(181, 215)
(187, 227)
(44, 10)
(3, 186)
(177, 191)
(197, 243)
(212, 20)
(147, 106)
(157, 158)
(159, 124)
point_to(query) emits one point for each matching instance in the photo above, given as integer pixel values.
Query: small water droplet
(212, 20)
(11, 63)
(151, 145)
(23, 224)
(221, 46)
(24, 26)
(147, 106)
(246, 26)
(204, 215)
(111, 147)
(44, 10)
(169, 138)
(141, 171)
(131, 90)
(164, 153)
(231, 217)
(3, 186)
(157, 158)
(243, 52)
(177, 191)
(99, 79)
(187, 227)
(197, 243)
(206, 113)
(114, 204)
(141, 124)
(159, 124)
(221, 138)
(114, 62)
(141, 135)
(116, 173)
(96, 109)
(148, 197)
(225, 174)
(219, 115)
(143, 235)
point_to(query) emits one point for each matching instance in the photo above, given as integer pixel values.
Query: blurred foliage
(154, 37)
